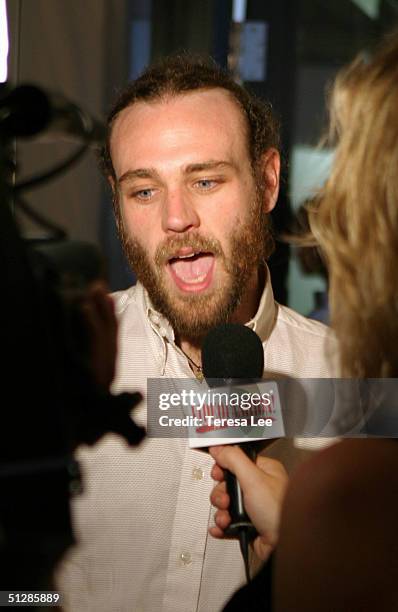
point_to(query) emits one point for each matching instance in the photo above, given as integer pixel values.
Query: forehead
(205, 123)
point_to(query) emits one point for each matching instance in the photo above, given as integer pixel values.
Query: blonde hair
(355, 219)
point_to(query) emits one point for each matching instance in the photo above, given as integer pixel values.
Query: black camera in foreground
(50, 400)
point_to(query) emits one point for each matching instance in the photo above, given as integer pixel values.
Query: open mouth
(192, 270)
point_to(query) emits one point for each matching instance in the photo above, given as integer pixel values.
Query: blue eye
(144, 194)
(206, 184)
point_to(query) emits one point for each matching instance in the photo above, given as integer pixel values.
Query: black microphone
(28, 110)
(233, 354)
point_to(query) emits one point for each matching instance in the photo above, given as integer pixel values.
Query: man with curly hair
(193, 162)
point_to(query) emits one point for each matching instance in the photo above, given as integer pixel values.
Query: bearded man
(193, 162)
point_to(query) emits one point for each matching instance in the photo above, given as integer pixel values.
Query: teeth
(198, 279)
(187, 256)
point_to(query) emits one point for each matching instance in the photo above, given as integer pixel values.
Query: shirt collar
(262, 322)
(157, 321)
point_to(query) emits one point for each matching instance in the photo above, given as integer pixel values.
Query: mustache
(170, 247)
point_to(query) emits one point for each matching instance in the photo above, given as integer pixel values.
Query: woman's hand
(263, 486)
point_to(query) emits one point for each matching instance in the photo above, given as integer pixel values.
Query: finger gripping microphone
(233, 354)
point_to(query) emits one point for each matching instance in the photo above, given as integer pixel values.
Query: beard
(193, 315)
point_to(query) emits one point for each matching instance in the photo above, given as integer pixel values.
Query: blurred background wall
(285, 50)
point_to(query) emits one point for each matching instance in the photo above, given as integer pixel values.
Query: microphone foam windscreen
(232, 350)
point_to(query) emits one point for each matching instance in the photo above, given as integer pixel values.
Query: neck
(245, 311)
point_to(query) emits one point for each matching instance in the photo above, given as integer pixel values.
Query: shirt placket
(189, 534)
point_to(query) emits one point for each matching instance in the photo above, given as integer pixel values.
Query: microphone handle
(239, 518)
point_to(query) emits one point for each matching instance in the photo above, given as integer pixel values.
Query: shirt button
(185, 558)
(197, 473)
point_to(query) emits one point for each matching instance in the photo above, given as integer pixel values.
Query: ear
(271, 166)
(111, 182)
(115, 200)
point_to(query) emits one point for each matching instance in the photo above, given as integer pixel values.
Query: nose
(179, 213)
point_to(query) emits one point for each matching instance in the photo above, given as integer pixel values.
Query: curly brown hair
(356, 218)
(183, 73)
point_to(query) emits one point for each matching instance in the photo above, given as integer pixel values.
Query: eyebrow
(138, 173)
(151, 173)
(208, 165)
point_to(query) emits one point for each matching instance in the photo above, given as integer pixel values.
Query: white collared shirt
(142, 521)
